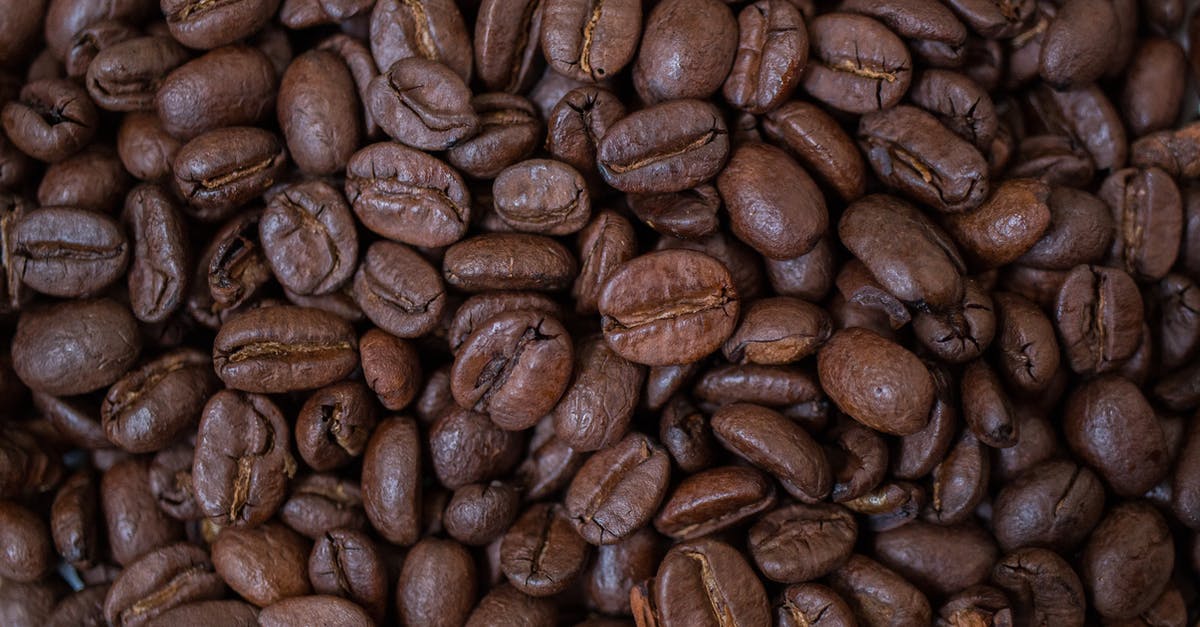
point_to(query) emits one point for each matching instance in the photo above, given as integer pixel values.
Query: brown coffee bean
(777, 445)
(399, 290)
(468, 447)
(1098, 312)
(1147, 215)
(595, 410)
(264, 564)
(798, 543)
(135, 525)
(223, 169)
(588, 40)
(28, 551)
(1109, 425)
(876, 381)
(319, 112)
(1042, 587)
(541, 554)
(668, 147)
(878, 595)
(423, 104)
(509, 131)
(508, 261)
(618, 490)
(169, 577)
(1054, 504)
(857, 65)
(67, 252)
(74, 347)
(761, 213)
(714, 499)
(52, 120)
(687, 49)
(437, 584)
(941, 560)
(149, 408)
(707, 582)
(432, 29)
(278, 349)
(320, 503)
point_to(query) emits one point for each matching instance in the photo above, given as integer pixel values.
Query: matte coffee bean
(780, 219)
(1111, 427)
(346, 563)
(775, 331)
(1079, 231)
(618, 490)
(308, 237)
(146, 149)
(128, 75)
(820, 144)
(1005, 226)
(811, 604)
(92, 179)
(1147, 215)
(279, 349)
(319, 112)
(1042, 586)
(74, 347)
(243, 459)
(577, 123)
(468, 447)
(668, 147)
(876, 382)
(149, 408)
(506, 605)
(478, 513)
(878, 595)
(423, 104)
(317, 608)
(171, 482)
(798, 543)
(541, 554)
(941, 560)
(437, 584)
(73, 517)
(398, 289)
(263, 564)
(198, 96)
(28, 551)
(1054, 504)
(596, 409)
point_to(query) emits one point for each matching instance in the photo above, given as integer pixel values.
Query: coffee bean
(1098, 313)
(618, 489)
(278, 349)
(687, 50)
(149, 408)
(28, 549)
(1042, 586)
(320, 503)
(588, 40)
(166, 578)
(1055, 504)
(708, 582)
(221, 170)
(713, 500)
(541, 554)
(1099, 409)
(877, 594)
(134, 523)
(52, 120)
(509, 131)
(857, 65)
(508, 261)
(596, 409)
(777, 445)
(197, 96)
(423, 104)
(437, 584)
(199, 26)
(431, 29)
(263, 564)
(668, 147)
(317, 103)
(75, 346)
(797, 543)
(399, 290)
(467, 447)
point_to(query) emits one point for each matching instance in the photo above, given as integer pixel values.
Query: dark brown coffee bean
(346, 563)
(911, 151)
(993, 19)
(171, 482)
(301, 14)
(744, 266)
(959, 482)
(133, 520)
(506, 606)
(1042, 586)
(1109, 425)
(429, 29)
(1158, 66)
(308, 237)
(686, 51)
(618, 490)
(761, 212)
(1055, 504)
(514, 367)
(279, 349)
(67, 252)
(28, 551)
(423, 104)
(857, 65)
(149, 408)
(158, 271)
(468, 447)
(811, 604)
(686, 309)
(92, 179)
(407, 195)
(510, 261)
(1087, 116)
(126, 75)
(707, 582)
(391, 367)
(166, 578)
(797, 543)
(876, 382)
(668, 147)
(541, 554)
(986, 407)
(983, 605)
(1098, 313)
(1005, 226)
(324, 609)
(1028, 351)
(73, 517)
(689, 214)
(198, 25)
(334, 425)
(437, 584)
(776, 331)
(509, 131)
(52, 120)
(714, 499)
(595, 411)
(391, 480)
(243, 459)
(199, 96)
(221, 170)
(939, 559)
(771, 54)
(550, 464)
(482, 307)
(319, 112)
(1080, 230)
(1147, 215)
(587, 40)
(878, 595)
(507, 44)
(772, 386)
(320, 503)
(618, 567)
(542, 196)
(264, 564)
(820, 144)
(146, 149)
(777, 445)
(604, 244)
(399, 290)
(578, 122)
(74, 347)
(478, 513)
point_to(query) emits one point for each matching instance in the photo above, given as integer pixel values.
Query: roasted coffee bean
(171, 576)
(243, 459)
(1111, 427)
(775, 331)
(1054, 504)
(334, 425)
(73, 517)
(279, 349)
(811, 604)
(478, 513)
(508, 261)
(507, 37)
(423, 104)
(668, 147)
(149, 408)
(146, 149)
(780, 219)
(429, 29)
(857, 65)
(542, 196)
(604, 244)
(221, 170)
(74, 347)
(316, 608)
(437, 584)
(986, 407)
(1147, 215)
(158, 268)
(1098, 312)
(1088, 117)
(506, 605)
(92, 179)
(715, 499)
(52, 120)
(308, 236)
(127, 75)
(28, 550)
(67, 252)
(1079, 231)
(391, 480)
(407, 195)
(198, 25)
(319, 112)
(513, 367)
(820, 144)
(707, 582)
(878, 595)
(589, 40)
(595, 410)
(798, 543)
(198, 96)
(135, 525)
(687, 49)
(509, 131)
(346, 563)
(322, 502)
(771, 55)
(1042, 586)
(399, 290)
(876, 382)
(689, 214)
(171, 482)
(541, 554)
(941, 560)
(618, 489)
(263, 564)
(467, 447)
(686, 309)
(777, 445)
(578, 122)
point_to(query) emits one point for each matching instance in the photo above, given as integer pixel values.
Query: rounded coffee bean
(508, 261)
(1006, 225)
(590, 41)
(857, 65)
(346, 563)
(773, 205)
(618, 490)
(939, 559)
(223, 169)
(1079, 232)
(231, 613)
(876, 381)
(986, 407)
(1111, 427)
(576, 124)
(668, 147)
(802, 605)
(595, 411)
(199, 96)
(1029, 355)
(264, 564)
(283, 348)
(73, 518)
(391, 480)
(322, 609)
(509, 131)
(149, 408)
(480, 512)
(147, 151)
(707, 582)
(713, 500)
(28, 551)
(432, 29)
(391, 367)
(687, 49)
(506, 604)
(771, 55)
(52, 120)
(74, 347)
(878, 595)
(541, 554)
(1098, 312)
(777, 445)
(171, 482)
(776, 331)
(319, 112)
(798, 543)
(92, 179)
(819, 143)
(399, 290)
(171, 576)
(126, 76)
(423, 104)
(542, 196)
(686, 307)
(1054, 504)
(437, 584)
(1042, 586)
(67, 252)
(468, 447)
(135, 524)
(334, 424)
(309, 238)
(1147, 212)
(199, 26)
(507, 42)
(514, 367)
(320, 503)
(243, 459)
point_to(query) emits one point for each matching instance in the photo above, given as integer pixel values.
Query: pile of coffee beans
(673, 313)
